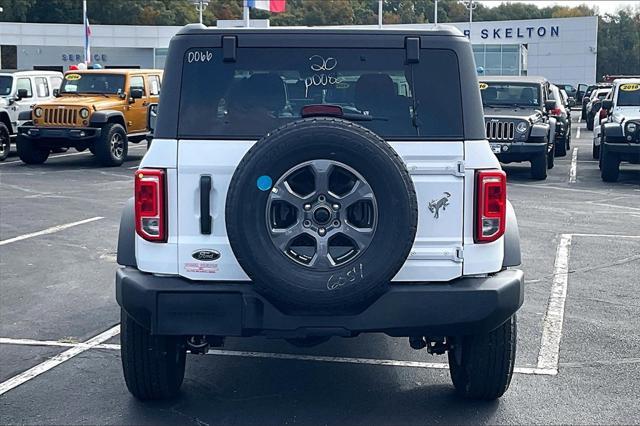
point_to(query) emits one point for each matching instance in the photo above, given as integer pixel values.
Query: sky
(603, 6)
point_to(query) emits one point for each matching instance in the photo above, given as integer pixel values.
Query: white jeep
(620, 131)
(19, 90)
(310, 183)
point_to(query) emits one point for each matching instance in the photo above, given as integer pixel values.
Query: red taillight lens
(556, 112)
(603, 113)
(150, 205)
(491, 205)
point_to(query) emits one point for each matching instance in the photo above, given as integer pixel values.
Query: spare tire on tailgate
(321, 214)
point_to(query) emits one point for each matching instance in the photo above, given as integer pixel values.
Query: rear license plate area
(199, 313)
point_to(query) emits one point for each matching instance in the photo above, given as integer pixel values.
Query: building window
(501, 59)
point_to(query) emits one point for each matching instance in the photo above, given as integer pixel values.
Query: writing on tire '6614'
(337, 197)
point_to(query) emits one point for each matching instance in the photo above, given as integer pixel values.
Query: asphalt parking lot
(578, 357)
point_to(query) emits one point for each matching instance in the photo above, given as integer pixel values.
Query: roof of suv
(114, 71)
(514, 79)
(28, 73)
(440, 30)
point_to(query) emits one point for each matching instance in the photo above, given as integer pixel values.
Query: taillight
(603, 113)
(491, 205)
(150, 205)
(557, 112)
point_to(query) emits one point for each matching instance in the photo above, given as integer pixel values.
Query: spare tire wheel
(321, 214)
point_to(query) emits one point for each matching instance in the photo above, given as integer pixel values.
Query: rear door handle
(205, 207)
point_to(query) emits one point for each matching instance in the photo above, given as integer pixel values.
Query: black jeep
(517, 121)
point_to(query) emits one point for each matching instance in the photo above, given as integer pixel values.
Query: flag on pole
(87, 34)
(273, 6)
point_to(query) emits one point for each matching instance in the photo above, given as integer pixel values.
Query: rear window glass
(266, 88)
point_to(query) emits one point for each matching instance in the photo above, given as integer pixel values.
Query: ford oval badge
(204, 255)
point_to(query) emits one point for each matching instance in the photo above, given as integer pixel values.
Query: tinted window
(56, 82)
(93, 83)
(24, 83)
(137, 82)
(508, 94)
(5, 85)
(266, 88)
(154, 85)
(42, 87)
(628, 94)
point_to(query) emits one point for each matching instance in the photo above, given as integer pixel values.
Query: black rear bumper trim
(177, 306)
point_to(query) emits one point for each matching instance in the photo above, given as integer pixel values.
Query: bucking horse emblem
(436, 205)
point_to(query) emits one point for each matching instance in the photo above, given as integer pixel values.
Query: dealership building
(563, 50)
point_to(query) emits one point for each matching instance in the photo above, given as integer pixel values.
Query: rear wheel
(539, 167)
(153, 366)
(589, 122)
(29, 151)
(595, 152)
(5, 142)
(561, 147)
(112, 146)
(609, 165)
(481, 365)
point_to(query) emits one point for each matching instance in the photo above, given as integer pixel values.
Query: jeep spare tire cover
(321, 214)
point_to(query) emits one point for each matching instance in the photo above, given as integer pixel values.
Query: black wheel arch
(100, 118)
(126, 255)
(512, 253)
(4, 119)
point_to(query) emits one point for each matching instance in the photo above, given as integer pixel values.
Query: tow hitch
(435, 345)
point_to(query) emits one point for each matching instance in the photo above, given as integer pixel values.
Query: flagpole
(245, 15)
(435, 12)
(86, 35)
(380, 13)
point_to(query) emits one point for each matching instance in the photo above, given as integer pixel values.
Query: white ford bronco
(620, 131)
(310, 183)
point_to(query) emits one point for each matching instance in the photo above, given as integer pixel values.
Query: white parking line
(606, 235)
(49, 230)
(578, 134)
(273, 355)
(25, 376)
(70, 154)
(549, 354)
(53, 156)
(574, 166)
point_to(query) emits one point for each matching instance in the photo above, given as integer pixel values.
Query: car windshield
(93, 83)
(5, 85)
(264, 89)
(509, 94)
(629, 94)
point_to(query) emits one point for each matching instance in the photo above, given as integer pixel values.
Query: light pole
(470, 5)
(200, 5)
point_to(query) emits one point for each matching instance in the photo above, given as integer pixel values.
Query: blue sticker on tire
(264, 183)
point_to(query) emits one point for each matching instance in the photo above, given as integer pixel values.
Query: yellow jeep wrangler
(100, 110)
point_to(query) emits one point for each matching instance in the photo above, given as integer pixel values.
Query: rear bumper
(75, 133)
(176, 306)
